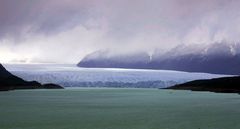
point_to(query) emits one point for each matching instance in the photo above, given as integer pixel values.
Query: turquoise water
(118, 109)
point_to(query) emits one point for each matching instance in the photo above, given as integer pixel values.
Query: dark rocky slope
(9, 81)
(221, 85)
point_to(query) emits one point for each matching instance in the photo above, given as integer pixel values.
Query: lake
(123, 108)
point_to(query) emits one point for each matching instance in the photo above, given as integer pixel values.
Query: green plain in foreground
(118, 109)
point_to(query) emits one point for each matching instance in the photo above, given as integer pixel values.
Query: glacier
(69, 75)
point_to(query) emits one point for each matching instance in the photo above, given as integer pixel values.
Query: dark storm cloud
(51, 29)
(125, 18)
(18, 17)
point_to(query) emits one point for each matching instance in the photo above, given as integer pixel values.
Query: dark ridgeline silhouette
(218, 58)
(9, 81)
(221, 85)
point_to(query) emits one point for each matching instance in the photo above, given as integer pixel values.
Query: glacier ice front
(72, 76)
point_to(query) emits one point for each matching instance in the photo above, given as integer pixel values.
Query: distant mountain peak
(105, 58)
(219, 57)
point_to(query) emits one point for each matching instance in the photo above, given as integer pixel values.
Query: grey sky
(64, 31)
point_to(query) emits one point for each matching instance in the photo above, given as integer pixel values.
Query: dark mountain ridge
(217, 58)
(219, 85)
(9, 81)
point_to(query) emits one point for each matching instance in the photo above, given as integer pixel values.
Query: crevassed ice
(72, 76)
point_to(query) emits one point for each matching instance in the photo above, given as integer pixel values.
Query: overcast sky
(64, 31)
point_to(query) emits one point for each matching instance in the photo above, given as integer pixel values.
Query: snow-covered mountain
(105, 59)
(72, 76)
(219, 58)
